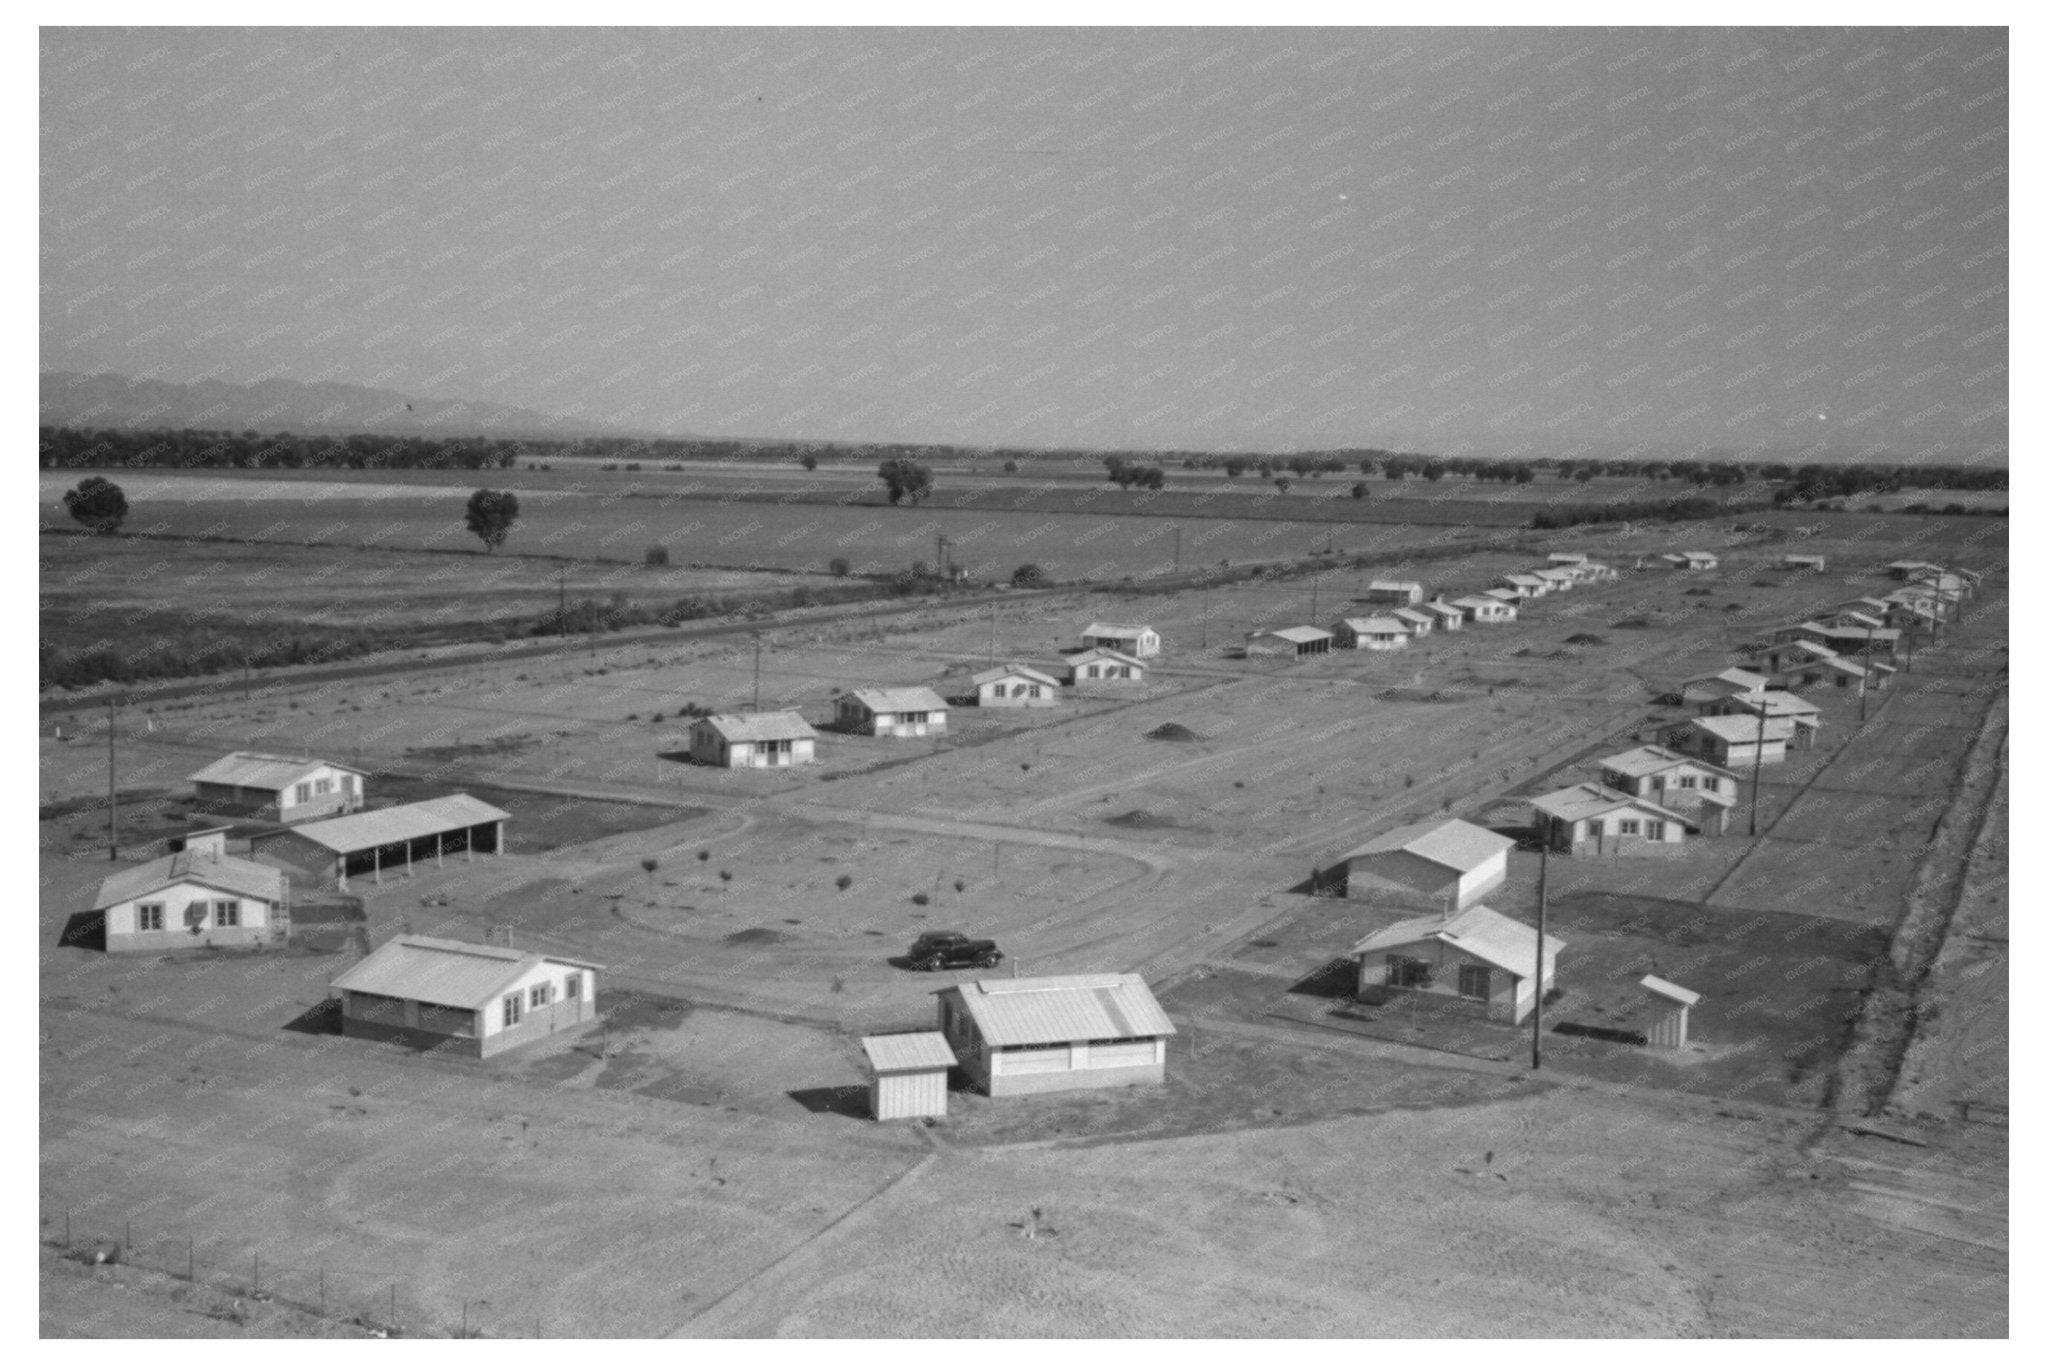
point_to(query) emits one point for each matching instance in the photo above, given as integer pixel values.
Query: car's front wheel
(987, 960)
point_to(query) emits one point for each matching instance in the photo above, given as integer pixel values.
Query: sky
(1456, 240)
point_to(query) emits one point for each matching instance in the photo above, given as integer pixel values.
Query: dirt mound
(1141, 819)
(745, 938)
(1172, 730)
(1583, 638)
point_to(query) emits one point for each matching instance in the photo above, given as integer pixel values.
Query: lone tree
(906, 479)
(490, 516)
(97, 503)
(1028, 576)
(808, 460)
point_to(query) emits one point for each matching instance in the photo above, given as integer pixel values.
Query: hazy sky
(1443, 239)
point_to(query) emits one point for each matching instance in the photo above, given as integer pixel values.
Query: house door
(1475, 983)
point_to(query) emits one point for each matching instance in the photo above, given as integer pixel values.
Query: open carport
(390, 840)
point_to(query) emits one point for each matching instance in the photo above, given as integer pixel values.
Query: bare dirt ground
(1081, 844)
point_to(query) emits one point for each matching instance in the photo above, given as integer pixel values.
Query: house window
(1408, 973)
(322, 785)
(572, 986)
(1712, 784)
(348, 784)
(1655, 830)
(1001, 691)
(1475, 983)
(302, 793)
(512, 1009)
(227, 914)
(149, 916)
(1631, 827)
(1688, 783)
(540, 995)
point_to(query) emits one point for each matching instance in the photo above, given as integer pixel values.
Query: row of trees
(1126, 473)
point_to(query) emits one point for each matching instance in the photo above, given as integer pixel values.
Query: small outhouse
(910, 1071)
(1669, 1009)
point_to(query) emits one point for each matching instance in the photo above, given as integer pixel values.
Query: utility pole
(991, 634)
(1176, 549)
(757, 670)
(1312, 585)
(1756, 772)
(113, 801)
(1542, 923)
(1863, 683)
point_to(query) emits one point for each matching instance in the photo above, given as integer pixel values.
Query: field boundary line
(811, 1243)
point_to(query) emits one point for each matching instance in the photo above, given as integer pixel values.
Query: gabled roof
(1669, 990)
(1413, 615)
(1063, 1009)
(1455, 844)
(754, 727)
(1589, 800)
(1773, 704)
(1742, 729)
(1113, 656)
(1858, 618)
(1483, 932)
(1565, 557)
(1507, 596)
(1442, 609)
(1375, 625)
(1841, 665)
(991, 675)
(1525, 580)
(218, 872)
(1737, 677)
(265, 772)
(1110, 628)
(442, 971)
(1299, 635)
(887, 701)
(891, 1052)
(1650, 759)
(1808, 647)
(1393, 585)
(394, 824)
(1483, 600)
(1558, 574)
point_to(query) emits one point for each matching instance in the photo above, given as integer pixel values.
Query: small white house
(1523, 585)
(1565, 558)
(1728, 682)
(892, 712)
(1394, 592)
(909, 1071)
(1803, 715)
(1903, 569)
(1372, 632)
(1029, 1035)
(1695, 560)
(1559, 579)
(469, 999)
(277, 787)
(1418, 621)
(1293, 642)
(1447, 616)
(1103, 666)
(1732, 742)
(1804, 563)
(1703, 792)
(1138, 642)
(766, 739)
(194, 899)
(1016, 685)
(1478, 955)
(1484, 610)
(1587, 818)
(1449, 860)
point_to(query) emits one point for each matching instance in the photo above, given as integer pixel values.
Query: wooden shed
(1669, 1009)
(277, 787)
(910, 1071)
(388, 840)
(470, 999)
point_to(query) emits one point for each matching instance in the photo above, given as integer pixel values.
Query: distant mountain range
(273, 405)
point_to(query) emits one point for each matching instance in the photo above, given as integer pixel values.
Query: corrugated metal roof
(1670, 990)
(442, 971)
(1565, 557)
(753, 728)
(1650, 759)
(1412, 614)
(370, 829)
(989, 675)
(1739, 677)
(1376, 625)
(1818, 651)
(265, 772)
(908, 1052)
(221, 873)
(1589, 800)
(1393, 585)
(1110, 655)
(1299, 635)
(1486, 601)
(890, 700)
(1742, 729)
(1450, 843)
(1484, 933)
(1524, 580)
(1773, 704)
(1112, 628)
(1443, 609)
(1509, 596)
(1064, 1009)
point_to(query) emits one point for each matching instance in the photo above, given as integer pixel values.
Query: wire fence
(368, 1299)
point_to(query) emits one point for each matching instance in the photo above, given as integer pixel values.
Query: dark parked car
(947, 948)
